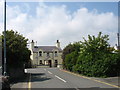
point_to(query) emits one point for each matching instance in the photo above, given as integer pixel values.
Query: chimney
(58, 44)
(32, 45)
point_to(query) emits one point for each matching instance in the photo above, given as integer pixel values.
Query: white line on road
(77, 88)
(25, 70)
(45, 69)
(49, 72)
(60, 78)
(29, 83)
(92, 79)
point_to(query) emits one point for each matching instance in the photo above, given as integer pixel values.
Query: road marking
(92, 79)
(0, 67)
(29, 83)
(25, 70)
(77, 88)
(49, 72)
(45, 69)
(60, 78)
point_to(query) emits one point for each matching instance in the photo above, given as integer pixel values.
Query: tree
(70, 54)
(70, 60)
(92, 57)
(96, 57)
(17, 53)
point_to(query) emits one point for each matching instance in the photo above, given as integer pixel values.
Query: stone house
(46, 55)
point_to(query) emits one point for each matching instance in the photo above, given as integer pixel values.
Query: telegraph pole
(118, 39)
(5, 79)
(5, 73)
(118, 35)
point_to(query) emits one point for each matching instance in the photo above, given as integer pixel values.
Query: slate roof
(46, 48)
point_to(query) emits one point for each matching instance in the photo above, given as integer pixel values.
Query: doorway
(49, 63)
(56, 63)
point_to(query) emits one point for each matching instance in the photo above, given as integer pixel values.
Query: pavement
(20, 83)
(54, 78)
(111, 80)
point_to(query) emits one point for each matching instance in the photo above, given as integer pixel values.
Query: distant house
(46, 55)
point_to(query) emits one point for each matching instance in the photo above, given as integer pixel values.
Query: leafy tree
(16, 50)
(92, 57)
(70, 54)
(96, 57)
(70, 60)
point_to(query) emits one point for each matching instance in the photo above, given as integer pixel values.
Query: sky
(47, 22)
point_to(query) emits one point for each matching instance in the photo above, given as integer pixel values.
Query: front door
(56, 63)
(49, 63)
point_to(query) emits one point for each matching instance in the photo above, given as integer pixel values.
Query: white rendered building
(46, 55)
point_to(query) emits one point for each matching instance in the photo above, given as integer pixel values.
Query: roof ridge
(45, 46)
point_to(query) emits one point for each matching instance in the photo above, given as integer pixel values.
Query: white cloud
(55, 22)
(1, 15)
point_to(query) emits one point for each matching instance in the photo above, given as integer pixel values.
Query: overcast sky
(45, 22)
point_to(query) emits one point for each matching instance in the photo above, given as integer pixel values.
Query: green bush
(17, 53)
(70, 54)
(70, 60)
(94, 57)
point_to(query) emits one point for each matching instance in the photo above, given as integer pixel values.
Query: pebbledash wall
(46, 55)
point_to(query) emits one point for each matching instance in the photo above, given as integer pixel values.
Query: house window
(56, 54)
(40, 53)
(48, 55)
(40, 62)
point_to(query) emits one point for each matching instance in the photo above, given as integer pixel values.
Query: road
(56, 78)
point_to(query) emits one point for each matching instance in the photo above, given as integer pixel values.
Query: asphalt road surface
(44, 78)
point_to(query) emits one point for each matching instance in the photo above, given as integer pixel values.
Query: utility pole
(118, 40)
(5, 73)
(118, 35)
(5, 79)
